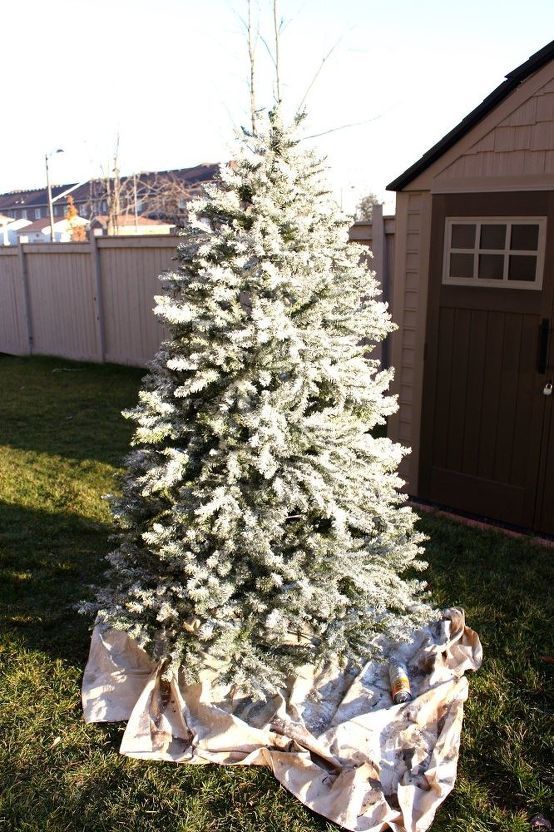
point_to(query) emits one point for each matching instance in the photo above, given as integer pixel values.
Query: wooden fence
(87, 301)
(93, 301)
(378, 235)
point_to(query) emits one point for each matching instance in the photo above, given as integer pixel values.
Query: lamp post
(345, 188)
(49, 187)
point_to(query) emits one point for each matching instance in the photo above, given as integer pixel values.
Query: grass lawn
(61, 442)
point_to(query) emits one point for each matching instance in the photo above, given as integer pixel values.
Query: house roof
(35, 197)
(513, 80)
(29, 198)
(16, 225)
(44, 223)
(37, 225)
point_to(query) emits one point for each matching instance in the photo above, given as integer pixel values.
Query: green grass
(61, 441)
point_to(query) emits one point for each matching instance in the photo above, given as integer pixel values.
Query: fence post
(26, 296)
(98, 297)
(378, 244)
(381, 266)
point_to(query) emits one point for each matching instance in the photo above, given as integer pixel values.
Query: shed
(474, 300)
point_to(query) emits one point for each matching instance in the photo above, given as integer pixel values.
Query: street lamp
(49, 187)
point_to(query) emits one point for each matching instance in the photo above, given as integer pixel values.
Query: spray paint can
(399, 682)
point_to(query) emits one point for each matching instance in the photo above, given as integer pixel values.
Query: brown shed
(473, 294)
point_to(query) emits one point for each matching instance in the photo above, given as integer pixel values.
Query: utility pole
(135, 196)
(50, 206)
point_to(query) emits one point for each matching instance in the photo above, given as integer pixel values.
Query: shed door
(544, 515)
(487, 443)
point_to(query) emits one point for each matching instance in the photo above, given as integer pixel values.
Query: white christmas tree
(261, 524)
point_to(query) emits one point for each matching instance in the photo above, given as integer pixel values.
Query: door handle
(544, 332)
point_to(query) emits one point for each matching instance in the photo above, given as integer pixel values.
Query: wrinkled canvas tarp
(334, 739)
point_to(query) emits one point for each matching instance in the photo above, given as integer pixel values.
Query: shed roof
(513, 80)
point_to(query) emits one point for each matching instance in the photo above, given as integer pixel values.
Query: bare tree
(165, 195)
(119, 193)
(116, 200)
(252, 65)
(277, 25)
(273, 52)
(364, 208)
(112, 196)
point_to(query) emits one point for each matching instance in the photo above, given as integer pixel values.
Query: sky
(170, 76)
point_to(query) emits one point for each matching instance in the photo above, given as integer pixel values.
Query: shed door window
(505, 252)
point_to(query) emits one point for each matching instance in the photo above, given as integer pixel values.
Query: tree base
(333, 738)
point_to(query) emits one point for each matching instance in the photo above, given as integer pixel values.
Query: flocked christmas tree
(260, 522)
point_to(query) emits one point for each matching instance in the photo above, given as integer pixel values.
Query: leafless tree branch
(317, 74)
(251, 59)
(342, 127)
(276, 32)
(165, 195)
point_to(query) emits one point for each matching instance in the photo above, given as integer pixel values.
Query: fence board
(378, 235)
(14, 337)
(129, 284)
(61, 297)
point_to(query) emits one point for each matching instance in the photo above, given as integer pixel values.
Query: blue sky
(170, 75)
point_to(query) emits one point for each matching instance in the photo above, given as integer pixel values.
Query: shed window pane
(491, 266)
(461, 265)
(493, 236)
(463, 236)
(525, 237)
(493, 251)
(522, 267)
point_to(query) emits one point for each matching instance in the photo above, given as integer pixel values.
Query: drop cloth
(333, 738)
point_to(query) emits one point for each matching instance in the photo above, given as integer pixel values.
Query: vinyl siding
(413, 219)
(519, 145)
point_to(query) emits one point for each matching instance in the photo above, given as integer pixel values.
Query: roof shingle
(513, 80)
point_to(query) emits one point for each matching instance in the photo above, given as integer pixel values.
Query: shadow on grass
(48, 558)
(55, 406)
(47, 563)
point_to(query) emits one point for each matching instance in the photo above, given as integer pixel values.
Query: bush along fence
(93, 301)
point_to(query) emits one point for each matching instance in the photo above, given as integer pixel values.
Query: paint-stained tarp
(334, 739)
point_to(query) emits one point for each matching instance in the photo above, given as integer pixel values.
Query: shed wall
(409, 307)
(511, 149)
(520, 145)
(518, 106)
